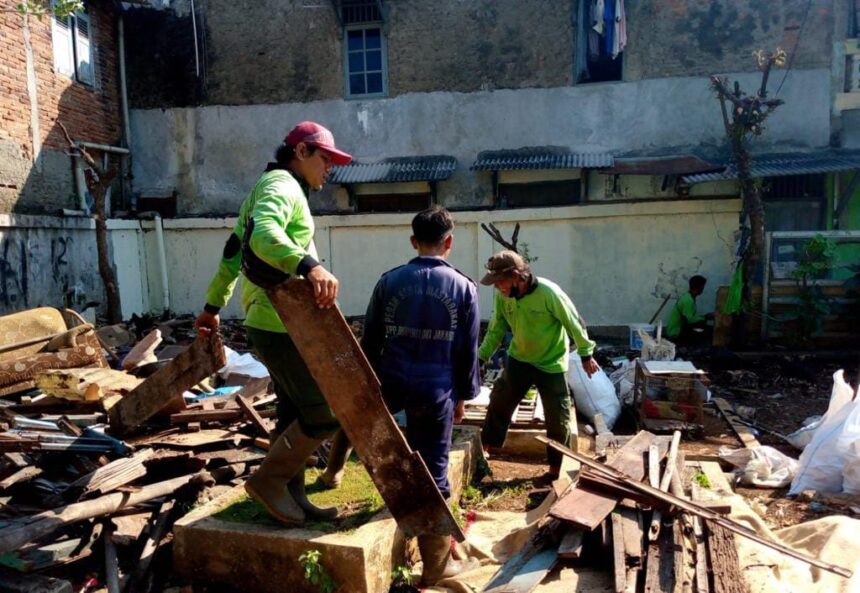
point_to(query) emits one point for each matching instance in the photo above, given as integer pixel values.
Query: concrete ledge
(264, 558)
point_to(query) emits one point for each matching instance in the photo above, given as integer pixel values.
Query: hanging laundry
(619, 30)
(593, 36)
(597, 18)
(608, 25)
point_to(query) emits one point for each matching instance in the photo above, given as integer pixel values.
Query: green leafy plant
(817, 257)
(401, 576)
(315, 572)
(701, 479)
(472, 495)
(524, 251)
(59, 8)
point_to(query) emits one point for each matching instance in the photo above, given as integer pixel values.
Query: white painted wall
(611, 258)
(213, 155)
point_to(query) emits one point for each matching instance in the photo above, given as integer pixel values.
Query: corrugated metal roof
(777, 165)
(537, 158)
(664, 165)
(396, 170)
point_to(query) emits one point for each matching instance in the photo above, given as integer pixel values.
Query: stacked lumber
(661, 531)
(97, 466)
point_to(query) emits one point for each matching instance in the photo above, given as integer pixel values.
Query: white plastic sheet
(803, 436)
(763, 467)
(595, 395)
(823, 460)
(242, 364)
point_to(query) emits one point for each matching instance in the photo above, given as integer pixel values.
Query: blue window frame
(365, 62)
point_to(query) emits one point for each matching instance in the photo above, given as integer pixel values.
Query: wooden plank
(111, 476)
(702, 580)
(743, 432)
(683, 559)
(724, 561)
(143, 352)
(571, 544)
(22, 475)
(665, 481)
(201, 439)
(660, 565)
(693, 508)
(256, 421)
(619, 557)
(347, 381)
(18, 532)
(166, 386)
(225, 415)
(634, 552)
(588, 509)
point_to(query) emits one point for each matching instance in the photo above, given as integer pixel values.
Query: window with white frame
(365, 61)
(72, 40)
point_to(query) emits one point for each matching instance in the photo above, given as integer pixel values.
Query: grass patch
(357, 498)
(496, 494)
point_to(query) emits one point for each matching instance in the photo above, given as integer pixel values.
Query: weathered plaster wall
(275, 51)
(35, 174)
(613, 259)
(698, 37)
(479, 44)
(213, 155)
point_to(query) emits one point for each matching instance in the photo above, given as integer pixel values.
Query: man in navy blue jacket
(421, 337)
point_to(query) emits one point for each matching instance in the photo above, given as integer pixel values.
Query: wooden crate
(670, 391)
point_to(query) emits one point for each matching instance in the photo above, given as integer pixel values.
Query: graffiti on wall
(14, 276)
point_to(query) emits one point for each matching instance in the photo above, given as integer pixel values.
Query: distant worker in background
(685, 326)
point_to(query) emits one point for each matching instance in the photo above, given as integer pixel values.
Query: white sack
(763, 467)
(595, 395)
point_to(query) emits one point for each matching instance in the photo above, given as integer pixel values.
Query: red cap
(316, 135)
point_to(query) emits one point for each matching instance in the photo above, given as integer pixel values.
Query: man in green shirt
(272, 240)
(685, 326)
(542, 319)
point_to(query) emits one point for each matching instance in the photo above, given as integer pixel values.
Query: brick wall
(91, 113)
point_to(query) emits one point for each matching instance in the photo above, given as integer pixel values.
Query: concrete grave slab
(264, 558)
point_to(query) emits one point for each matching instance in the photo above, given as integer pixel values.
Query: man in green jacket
(272, 240)
(685, 326)
(542, 319)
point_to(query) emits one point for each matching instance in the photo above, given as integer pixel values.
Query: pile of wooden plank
(97, 465)
(653, 515)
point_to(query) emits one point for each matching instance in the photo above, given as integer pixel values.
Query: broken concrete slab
(264, 558)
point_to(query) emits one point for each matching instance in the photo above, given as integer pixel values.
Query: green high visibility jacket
(683, 312)
(277, 214)
(542, 323)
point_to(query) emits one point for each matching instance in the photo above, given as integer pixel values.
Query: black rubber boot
(340, 451)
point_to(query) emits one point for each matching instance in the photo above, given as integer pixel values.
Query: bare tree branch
(497, 236)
